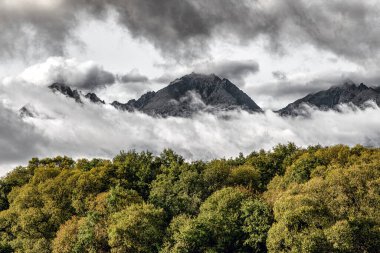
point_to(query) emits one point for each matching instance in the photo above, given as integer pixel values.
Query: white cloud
(91, 130)
(87, 75)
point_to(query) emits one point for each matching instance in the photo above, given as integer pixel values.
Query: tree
(66, 237)
(245, 176)
(216, 174)
(16, 178)
(334, 213)
(179, 189)
(230, 220)
(138, 228)
(319, 199)
(136, 171)
(270, 164)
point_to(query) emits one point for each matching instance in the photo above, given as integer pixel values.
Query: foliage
(288, 199)
(230, 220)
(138, 228)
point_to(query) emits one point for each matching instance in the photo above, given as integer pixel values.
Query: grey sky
(298, 37)
(183, 29)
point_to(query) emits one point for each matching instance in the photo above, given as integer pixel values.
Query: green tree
(136, 171)
(334, 213)
(16, 178)
(230, 220)
(138, 228)
(178, 189)
(270, 164)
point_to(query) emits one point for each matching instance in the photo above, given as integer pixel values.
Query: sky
(274, 50)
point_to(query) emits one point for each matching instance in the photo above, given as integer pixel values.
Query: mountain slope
(94, 98)
(190, 94)
(331, 98)
(66, 90)
(75, 94)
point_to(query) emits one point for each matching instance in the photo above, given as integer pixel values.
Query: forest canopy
(288, 199)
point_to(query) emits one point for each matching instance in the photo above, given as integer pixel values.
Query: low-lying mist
(63, 127)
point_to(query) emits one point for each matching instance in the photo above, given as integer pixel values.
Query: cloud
(85, 75)
(133, 77)
(278, 93)
(184, 29)
(166, 78)
(92, 130)
(286, 88)
(236, 71)
(17, 138)
(279, 75)
(31, 28)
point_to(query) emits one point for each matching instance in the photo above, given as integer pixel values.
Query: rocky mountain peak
(190, 94)
(75, 94)
(94, 98)
(347, 93)
(66, 90)
(183, 97)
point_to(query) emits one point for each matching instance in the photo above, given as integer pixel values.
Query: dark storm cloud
(183, 29)
(294, 88)
(133, 77)
(29, 29)
(28, 26)
(96, 77)
(84, 75)
(236, 71)
(347, 28)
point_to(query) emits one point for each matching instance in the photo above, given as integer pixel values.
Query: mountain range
(195, 93)
(348, 93)
(190, 94)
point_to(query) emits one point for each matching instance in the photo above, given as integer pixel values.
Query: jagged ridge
(347, 93)
(209, 93)
(75, 94)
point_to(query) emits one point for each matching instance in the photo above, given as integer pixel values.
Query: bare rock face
(123, 107)
(134, 104)
(348, 93)
(190, 94)
(75, 94)
(66, 90)
(94, 98)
